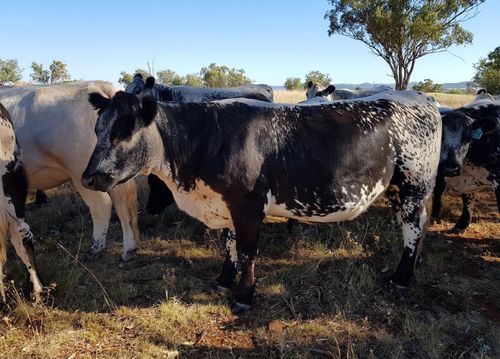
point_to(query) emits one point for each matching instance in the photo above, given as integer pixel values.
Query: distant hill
(366, 85)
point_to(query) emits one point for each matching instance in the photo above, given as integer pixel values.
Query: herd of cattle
(229, 157)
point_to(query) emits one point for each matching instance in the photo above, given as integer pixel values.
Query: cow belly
(203, 204)
(345, 211)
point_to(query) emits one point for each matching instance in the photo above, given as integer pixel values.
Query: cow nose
(96, 181)
(451, 171)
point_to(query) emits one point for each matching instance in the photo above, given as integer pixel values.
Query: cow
(344, 94)
(55, 128)
(13, 190)
(230, 163)
(199, 94)
(470, 155)
(314, 95)
(160, 196)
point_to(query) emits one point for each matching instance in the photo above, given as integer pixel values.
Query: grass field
(321, 294)
(444, 99)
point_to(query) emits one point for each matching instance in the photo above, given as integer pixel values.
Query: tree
(402, 31)
(488, 72)
(193, 80)
(58, 72)
(293, 83)
(39, 74)
(223, 76)
(428, 86)
(318, 78)
(169, 77)
(10, 71)
(125, 78)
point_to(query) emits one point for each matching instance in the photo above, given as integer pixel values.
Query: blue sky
(270, 40)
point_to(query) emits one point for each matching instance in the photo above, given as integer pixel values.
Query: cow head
(123, 146)
(459, 130)
(312, 91)
(136, 86)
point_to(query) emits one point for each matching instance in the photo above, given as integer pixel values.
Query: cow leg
(22, 240)
(40, 197)
(100, 205)
(392, 194)
(124, 199)
(247, 224)
(438, 192)
(3, 259)
(414, 216)
(230, 267)
(465, 218)
(495, 179)
(160, 197)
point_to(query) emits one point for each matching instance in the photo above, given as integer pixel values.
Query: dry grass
(321, 295)
(446, 100)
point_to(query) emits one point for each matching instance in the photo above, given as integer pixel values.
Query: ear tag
(477, 134)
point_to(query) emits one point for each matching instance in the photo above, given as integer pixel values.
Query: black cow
(470, 155)
(13, 190)
(160, 196)
(230, 163)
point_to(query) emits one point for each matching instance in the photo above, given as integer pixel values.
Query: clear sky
(270, 40)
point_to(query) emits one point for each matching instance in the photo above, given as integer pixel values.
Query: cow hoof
(456, 230)
(240, 308)
(128, 256)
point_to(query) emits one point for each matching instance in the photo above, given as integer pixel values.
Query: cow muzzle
(449, 170)
(97, 181)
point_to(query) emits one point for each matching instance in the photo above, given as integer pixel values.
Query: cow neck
(190, 133)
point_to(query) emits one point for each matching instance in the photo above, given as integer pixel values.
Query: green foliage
(455, 92)
(318, 78)
(488, 72)
(428, 86)
(10, 71)
(193, 80)
(58, 72)
(39, 74)
(168, 77)
(401, 31)
(223, 76)
(125, 78)
(293, 83)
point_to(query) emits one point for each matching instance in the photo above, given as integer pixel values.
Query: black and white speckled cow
(160, 196)
(470, 154)
(315, 95)
(230, 163)
(13, 190)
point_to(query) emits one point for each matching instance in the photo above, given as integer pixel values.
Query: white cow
(55, 127)
(13, 189)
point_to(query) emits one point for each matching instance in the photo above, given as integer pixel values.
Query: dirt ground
(323, 290)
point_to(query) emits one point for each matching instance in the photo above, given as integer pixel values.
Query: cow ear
(483, 127)
(138, 75)
(99, 102)
(329, 90)
(150, 82)
(148, 110)
(481, 91)
(309, 84)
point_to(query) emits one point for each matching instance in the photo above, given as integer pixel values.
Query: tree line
(212, 75)
(10, 71)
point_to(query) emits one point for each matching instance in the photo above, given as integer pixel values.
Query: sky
(270, 40)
